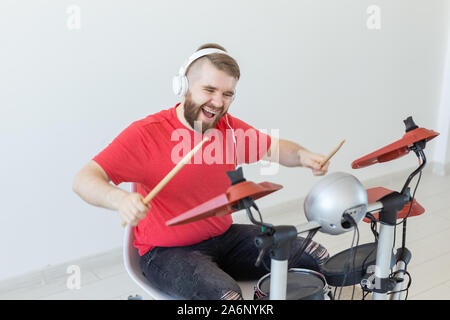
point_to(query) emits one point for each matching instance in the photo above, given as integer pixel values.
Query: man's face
(209, 96)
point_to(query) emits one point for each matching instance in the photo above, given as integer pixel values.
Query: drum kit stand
(335, 205)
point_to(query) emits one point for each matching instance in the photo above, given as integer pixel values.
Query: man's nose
(217, 100)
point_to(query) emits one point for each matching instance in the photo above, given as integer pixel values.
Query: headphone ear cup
(176, 85)
(179, 85)
(184, 86)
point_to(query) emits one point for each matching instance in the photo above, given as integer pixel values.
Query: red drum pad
(395, 150)
(374, 194)
(223, 204)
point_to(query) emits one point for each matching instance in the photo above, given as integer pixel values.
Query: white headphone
(180, 82)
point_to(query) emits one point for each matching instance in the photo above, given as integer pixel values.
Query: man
(203, 259)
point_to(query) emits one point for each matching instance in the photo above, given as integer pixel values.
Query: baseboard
(10, 282)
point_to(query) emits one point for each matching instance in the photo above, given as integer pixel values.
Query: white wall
(309, 68)
(442, 148)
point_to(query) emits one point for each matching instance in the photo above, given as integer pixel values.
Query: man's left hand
(313, 161)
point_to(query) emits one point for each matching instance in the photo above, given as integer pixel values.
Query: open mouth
(208, 113)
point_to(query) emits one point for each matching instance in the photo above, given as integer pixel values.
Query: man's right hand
(132, 208)
(92, 185)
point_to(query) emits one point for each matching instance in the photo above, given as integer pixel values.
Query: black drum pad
(334, 269)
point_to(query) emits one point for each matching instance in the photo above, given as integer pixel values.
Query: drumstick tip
(332, 153)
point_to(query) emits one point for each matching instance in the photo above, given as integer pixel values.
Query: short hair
(221, 61)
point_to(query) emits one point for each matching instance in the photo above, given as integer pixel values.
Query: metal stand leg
(403, 258)
(401, 265)
(278, 240)
(384, 256)
(278, 279)
(392, 204)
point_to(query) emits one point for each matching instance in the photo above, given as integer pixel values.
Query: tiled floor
(104, 276)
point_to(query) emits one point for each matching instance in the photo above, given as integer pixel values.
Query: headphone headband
(197, 55)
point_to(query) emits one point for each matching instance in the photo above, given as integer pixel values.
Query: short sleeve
(124, 157)
(251, 144)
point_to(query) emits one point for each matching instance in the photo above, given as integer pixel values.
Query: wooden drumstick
(332, 153)
(171, 174)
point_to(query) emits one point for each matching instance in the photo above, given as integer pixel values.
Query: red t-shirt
(149, 148)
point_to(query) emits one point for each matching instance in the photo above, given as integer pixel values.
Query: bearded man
(203, 259)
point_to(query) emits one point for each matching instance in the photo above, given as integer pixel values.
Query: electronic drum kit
(336, 204)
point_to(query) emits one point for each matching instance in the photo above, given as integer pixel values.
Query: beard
(192, 111)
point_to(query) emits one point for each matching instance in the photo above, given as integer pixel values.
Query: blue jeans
(210, 269)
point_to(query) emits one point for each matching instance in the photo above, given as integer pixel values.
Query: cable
(348, 262)
(303, 247)
(373, 225)
(365, 294)
(262, 230)
(260, 216)
(234, 141)
(393, 243)
(407, 286)
(352, 222)
(412, 199)
(354, 258)
(265, 265)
